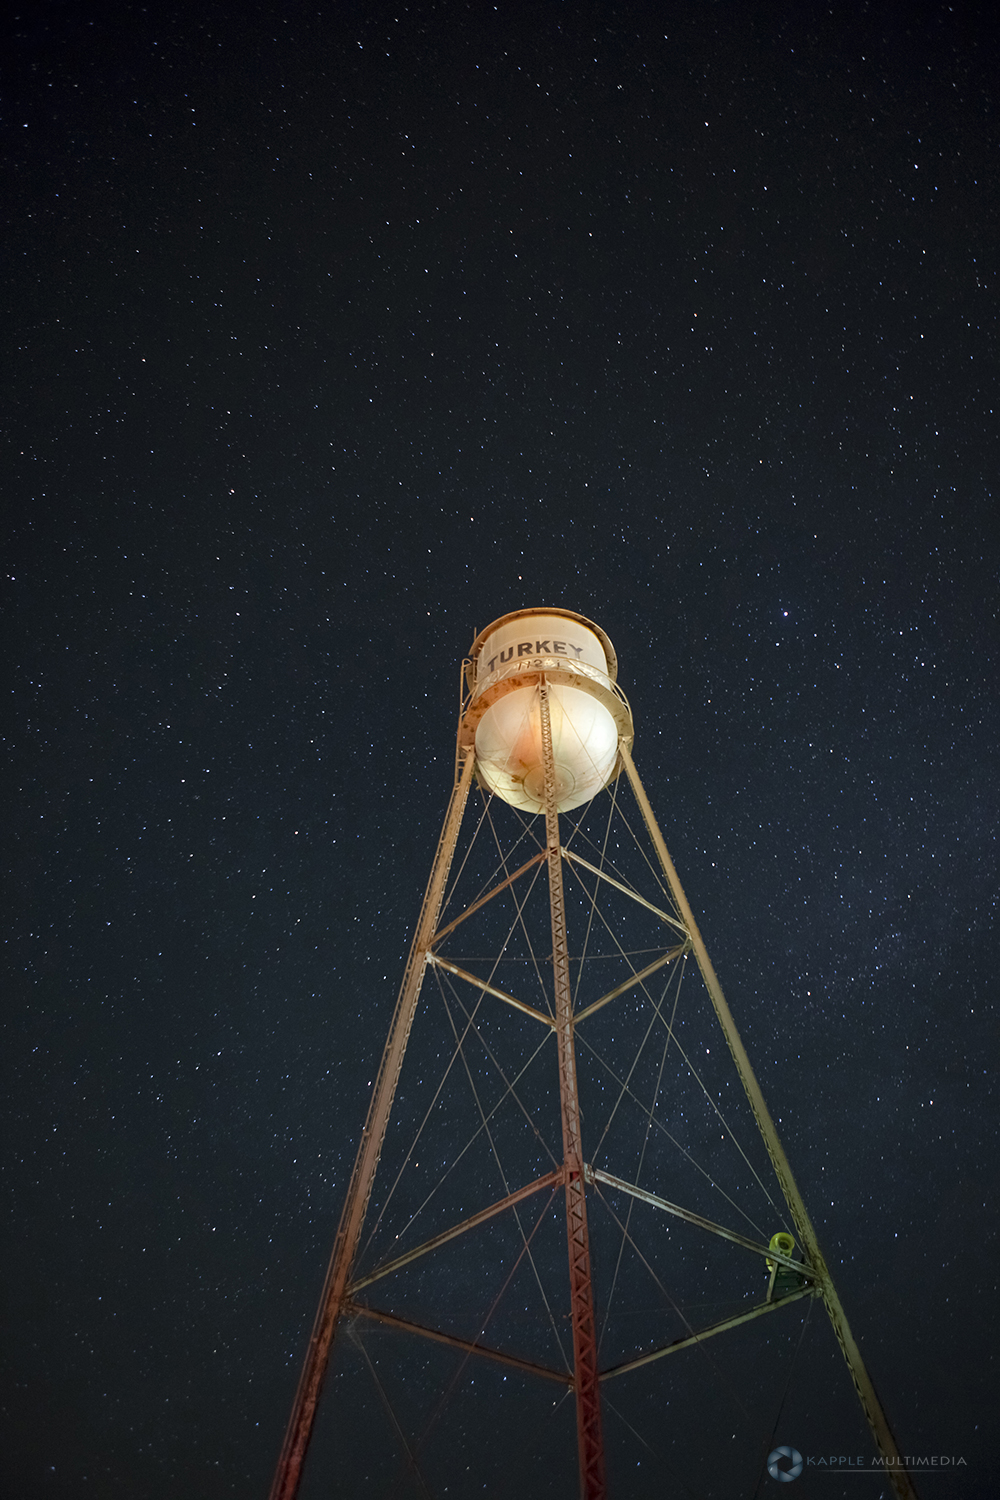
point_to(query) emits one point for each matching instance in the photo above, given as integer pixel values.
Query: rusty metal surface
(532, 673)
(289, 1471)
(489, 989)
(470, 911)
(339, 1294)
(393, 1320)
(551, 1179)
(590, 1436)
(548, 609)
(578, 859)
(870, 1404)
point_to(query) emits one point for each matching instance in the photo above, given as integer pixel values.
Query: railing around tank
(548, 664)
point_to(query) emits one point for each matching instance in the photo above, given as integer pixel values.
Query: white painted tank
(588, 713)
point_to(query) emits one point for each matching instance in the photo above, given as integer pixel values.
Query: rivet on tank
(589, 714)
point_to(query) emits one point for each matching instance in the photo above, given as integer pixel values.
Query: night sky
(332, 333)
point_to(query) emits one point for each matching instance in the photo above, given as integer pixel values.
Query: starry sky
(332, 333)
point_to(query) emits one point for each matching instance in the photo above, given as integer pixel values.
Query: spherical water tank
(587, 712)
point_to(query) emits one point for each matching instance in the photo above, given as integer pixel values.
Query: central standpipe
(590, 1440)
(547, 724)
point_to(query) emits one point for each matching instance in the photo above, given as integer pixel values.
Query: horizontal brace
(490, 989)
(593, 1174)
(563, 1377)
(578, 859)
(477, 905)
(707, 1333)
(551, 1179)
(633, 980)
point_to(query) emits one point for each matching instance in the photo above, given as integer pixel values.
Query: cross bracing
(458, 1240)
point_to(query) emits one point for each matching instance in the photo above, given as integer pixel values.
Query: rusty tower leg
(871, 1406)
(590, 1439)
(300, 1426)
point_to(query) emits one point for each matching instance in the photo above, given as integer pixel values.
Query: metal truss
(344, 1294)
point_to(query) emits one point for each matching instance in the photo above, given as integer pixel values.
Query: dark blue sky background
(332, 333)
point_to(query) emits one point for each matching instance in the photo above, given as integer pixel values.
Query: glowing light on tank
(589, 716)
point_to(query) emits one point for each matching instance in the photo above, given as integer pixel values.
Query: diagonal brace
(706, 1333)
(550, 1180)
(578, 859)
(489, 989)
(632, 981)
(594, 1174)
(443, 932)
(563, 1377)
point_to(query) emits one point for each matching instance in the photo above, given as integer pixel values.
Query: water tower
(544, 741)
